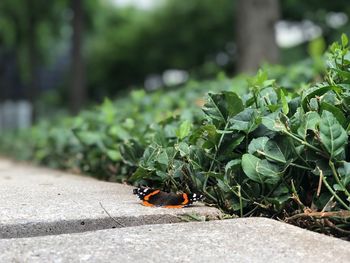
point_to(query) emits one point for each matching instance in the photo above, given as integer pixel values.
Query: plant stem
(304, 142)
(240, 201)
(284, 162)
(218, 147)
(336, 176)
(334, 193)
(300, 166)
(214, 158)
(296, 196)
(239, 195)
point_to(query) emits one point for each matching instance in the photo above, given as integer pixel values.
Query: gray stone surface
(235, 240)
(37, 201)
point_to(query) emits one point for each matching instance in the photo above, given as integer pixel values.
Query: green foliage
(108, 140)
(260, 150)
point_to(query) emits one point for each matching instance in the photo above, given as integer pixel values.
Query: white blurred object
(141, 4)
(336, 19)
(290, 34)
(222, 58)
(15, 115)
(24, 114)
(153, 82)
(172, 77)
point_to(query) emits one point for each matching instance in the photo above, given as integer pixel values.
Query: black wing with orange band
(153, 197)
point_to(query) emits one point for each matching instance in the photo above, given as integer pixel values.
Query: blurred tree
(255, 33)
(126, 45)
(130, 44)
(28, 25)
(77, 93)
(33, 55)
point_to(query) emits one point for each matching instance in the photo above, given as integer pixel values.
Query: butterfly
(154, 197)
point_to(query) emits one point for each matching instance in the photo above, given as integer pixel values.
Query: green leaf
(316, 91)
(310, 121)
(344, 40)
(213, 108)
(163, 158)
(119, 132)
(284, 101)
(108, 110)
(139, 174)
(131, 152)
(332, 134)
(234, 103)
(273, 122)
(345, 173)
(343, 73)
(258, 80)
(236, 141)
(268, 97)
(338, 114)
(90, 138)
(162, 175)
(149, 156)
(257, 144)
(316, 47)
(246, 121)
(261, 171)
(114, 155)
(338, 187)
(269, 172)
(184, 129)
(198, 157)
(231, 164)
(222, 106)
(273, 152)
(166, 155)
(183, 148)
(210, 135)
(296, 119)
(249, 164)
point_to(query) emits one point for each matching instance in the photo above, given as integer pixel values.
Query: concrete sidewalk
(37, 201)
(236, 240)
(52, 216)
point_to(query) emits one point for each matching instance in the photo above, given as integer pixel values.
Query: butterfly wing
(143, 192)
(153, 197)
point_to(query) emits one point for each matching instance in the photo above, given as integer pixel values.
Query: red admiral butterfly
(153, 197)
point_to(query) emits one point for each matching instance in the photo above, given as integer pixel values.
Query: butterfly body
(154, 197)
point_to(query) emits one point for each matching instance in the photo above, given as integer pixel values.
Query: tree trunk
(33, 83)
(77, 92)
(255, 33)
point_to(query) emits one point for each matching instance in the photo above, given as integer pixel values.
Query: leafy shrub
(270, 152)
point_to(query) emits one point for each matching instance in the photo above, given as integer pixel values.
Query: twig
(320, 215)
(328, 204)
(334, 226)
(115, 220)
(319, 182)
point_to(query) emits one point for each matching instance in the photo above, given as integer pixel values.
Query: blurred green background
(63, 55)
